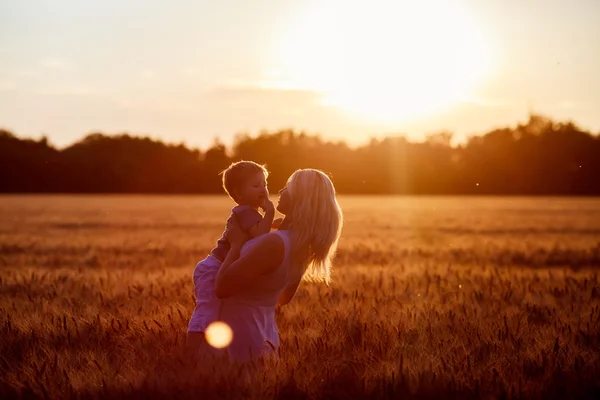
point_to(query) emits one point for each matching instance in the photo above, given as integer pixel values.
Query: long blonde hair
(316, 223)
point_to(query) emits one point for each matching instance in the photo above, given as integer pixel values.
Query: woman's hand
(235, 234)
(276, 223)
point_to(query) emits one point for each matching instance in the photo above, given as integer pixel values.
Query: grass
(431, 297)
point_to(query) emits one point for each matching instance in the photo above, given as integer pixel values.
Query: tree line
(539, 157)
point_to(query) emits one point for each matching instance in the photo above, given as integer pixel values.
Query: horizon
(229, 144)
(144, 70)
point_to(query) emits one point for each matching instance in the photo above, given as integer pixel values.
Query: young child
(246, 183)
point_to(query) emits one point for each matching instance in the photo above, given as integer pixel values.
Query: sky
(193, 71)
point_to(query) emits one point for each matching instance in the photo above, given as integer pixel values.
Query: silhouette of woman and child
(253, 269)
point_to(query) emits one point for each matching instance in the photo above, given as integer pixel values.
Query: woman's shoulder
(275, 238)
(284, 234)
(269, 241)
(269, 248)
(278, 243)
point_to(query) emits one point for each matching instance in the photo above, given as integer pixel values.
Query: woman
(258, 274)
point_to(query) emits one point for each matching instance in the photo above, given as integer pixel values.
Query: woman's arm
(288, 294)
(236, 271)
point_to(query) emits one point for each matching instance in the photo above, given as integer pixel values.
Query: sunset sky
(194, 70)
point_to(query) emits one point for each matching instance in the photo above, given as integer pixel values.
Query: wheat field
(432, 297)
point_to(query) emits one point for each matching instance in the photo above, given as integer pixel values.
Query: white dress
(251, 313)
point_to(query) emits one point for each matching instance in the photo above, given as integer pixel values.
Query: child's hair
(239, 172)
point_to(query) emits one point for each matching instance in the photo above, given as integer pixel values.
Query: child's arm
(264, 226)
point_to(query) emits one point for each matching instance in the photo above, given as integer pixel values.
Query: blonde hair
(237, 173)
(316, 223)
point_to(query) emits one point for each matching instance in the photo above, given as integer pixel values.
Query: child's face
(253, 191)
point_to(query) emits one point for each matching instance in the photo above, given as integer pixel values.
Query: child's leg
(196, 345)
(206, 309)
(194, 340)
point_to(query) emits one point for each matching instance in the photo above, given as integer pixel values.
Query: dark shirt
(246, 217)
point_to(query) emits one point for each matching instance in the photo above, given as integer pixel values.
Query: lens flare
(219, 334)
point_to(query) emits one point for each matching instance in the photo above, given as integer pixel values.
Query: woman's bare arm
(288, 294)
(236, 271)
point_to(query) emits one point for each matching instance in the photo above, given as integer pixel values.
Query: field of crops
(445, 297)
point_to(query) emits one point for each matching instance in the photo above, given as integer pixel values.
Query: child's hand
(268, 206)
(276, 223)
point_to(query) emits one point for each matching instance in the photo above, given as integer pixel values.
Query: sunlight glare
(385, 60)
(219, 334)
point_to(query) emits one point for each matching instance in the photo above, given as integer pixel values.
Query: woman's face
(284, 203)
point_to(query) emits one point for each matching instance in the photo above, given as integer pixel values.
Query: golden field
(445, 297)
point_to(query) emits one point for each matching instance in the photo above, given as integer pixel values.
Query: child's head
(246, 183)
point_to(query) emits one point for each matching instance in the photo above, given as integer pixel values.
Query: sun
(384, 60)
